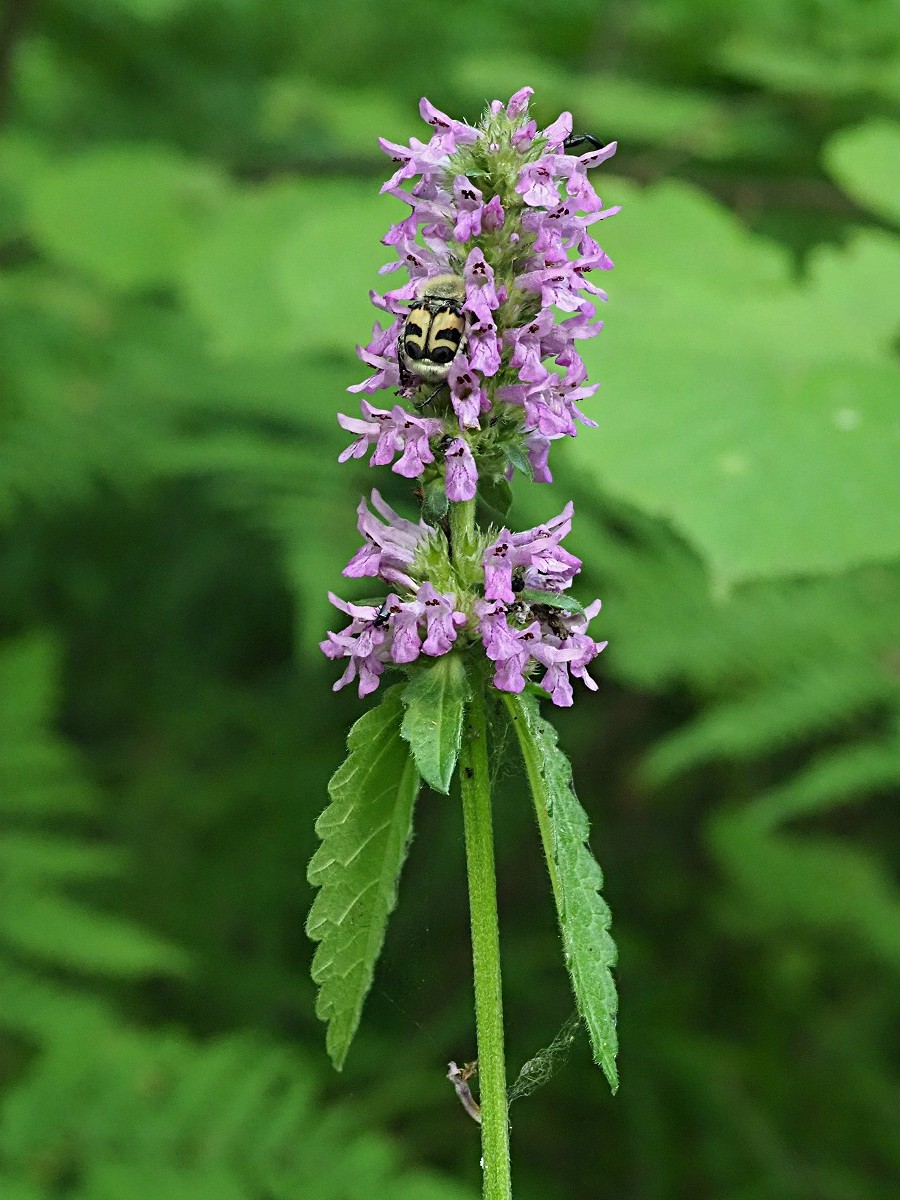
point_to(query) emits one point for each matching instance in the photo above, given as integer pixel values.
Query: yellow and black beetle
(434, 332)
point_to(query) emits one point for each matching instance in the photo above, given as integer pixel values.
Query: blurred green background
(189, 226)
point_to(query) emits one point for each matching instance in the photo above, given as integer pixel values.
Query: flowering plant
(481, 345)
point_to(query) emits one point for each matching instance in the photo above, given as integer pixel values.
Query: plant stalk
(476, 798)
(462, 532)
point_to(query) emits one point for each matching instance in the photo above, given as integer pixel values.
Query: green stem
(476, 797)
(462, 530)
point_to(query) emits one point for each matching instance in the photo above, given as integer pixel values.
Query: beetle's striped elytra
(434, 332)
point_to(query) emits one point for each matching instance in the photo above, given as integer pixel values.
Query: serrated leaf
(865, 161)
(584, 916)
(435, 701)
(365, 832)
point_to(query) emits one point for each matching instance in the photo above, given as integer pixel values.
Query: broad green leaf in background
(17, 1189)
(822, 884)
(758, 415)
(289, 266)
(352, 119)
(154, 10)
(785, 65)
(435, 702)
(584, 916)
(112, 1181)
(126, 214)
(365, 832)
(865, 161)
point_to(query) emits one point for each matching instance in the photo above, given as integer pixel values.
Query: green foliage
(732, 437)
(435, 703)
(584, 916)
(43, 856)
(161, 1116)
(189, 226)
(365, 833)
(864, 161)
(125, 215)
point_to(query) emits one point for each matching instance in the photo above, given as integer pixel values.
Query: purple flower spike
(544, 204)
(479, 352)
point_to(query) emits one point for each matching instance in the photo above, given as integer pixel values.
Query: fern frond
(783, 712)
(42, 923)
(160, 1116)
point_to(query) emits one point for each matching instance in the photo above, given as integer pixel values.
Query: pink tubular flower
(390, 545)
(524, 618)
(509, 649)
(442, 620)
(518, 102)
(470, 209)
(392, 633)
(462, 474)
(536, 557)
(363, 642)
(391, 432)
(467, 395)
(566, 648)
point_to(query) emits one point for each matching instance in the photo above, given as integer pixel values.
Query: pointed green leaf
(435, 701)
(435, 504)
(516, 455)
(365, 832)
(584, 916)
(558, 600)
(865, 161)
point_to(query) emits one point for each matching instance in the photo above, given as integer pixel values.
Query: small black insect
(579, 139)
(383, 615)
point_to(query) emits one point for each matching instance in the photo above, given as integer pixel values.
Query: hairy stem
(462, 531)
(476, 797)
